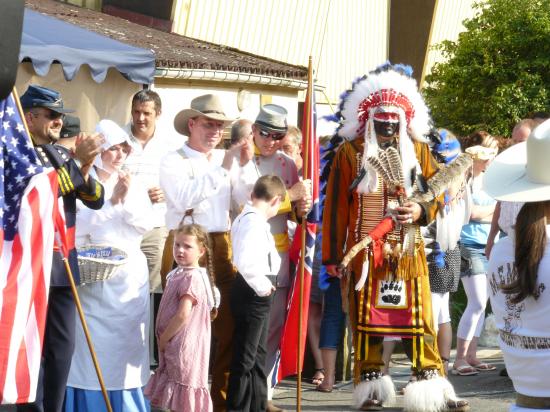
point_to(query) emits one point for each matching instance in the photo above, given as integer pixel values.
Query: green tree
(497, 72)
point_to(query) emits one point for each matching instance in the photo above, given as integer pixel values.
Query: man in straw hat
(44, 113)
(197, 187)
(519, 268)
(268, 130)
(383, 159)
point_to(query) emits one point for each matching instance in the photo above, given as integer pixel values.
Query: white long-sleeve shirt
(144, 162)
(254, 252)
(191, 181)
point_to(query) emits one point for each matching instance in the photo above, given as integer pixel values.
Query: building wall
(89, 4)
(447, 25)
(345, 37)
(177, 95)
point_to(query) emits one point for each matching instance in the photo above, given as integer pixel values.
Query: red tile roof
(171, 50)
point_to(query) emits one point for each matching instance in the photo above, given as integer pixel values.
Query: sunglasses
(275, 136)
(51, 115)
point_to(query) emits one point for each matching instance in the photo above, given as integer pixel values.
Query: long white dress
(116, 310)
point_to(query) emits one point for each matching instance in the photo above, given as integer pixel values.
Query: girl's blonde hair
(481, 138)
(207, 259)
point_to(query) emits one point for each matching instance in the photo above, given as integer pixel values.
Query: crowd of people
(193, 320)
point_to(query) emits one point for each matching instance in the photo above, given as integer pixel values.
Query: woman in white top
(117, 309)
(519, 269)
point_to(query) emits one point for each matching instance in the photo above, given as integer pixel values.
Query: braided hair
(206, 260)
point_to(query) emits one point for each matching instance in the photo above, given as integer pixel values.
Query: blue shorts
(473, 260)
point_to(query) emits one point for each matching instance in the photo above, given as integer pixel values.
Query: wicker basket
(99, 262)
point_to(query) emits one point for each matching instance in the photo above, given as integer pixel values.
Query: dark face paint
(385, 129)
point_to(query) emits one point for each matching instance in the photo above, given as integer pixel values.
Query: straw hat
(522, 172)
(209, 106)
(273, 118)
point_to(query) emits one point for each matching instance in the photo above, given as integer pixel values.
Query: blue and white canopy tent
(95, 74)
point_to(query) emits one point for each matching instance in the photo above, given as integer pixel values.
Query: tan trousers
(223, 325)
(152, 246)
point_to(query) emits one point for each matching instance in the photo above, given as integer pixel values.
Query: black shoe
(503, 372)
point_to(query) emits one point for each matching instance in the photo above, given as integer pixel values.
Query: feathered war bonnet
(387, 93)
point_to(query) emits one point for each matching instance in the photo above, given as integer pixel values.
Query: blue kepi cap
(38, 96)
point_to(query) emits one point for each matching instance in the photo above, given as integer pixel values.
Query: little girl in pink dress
(183, 329)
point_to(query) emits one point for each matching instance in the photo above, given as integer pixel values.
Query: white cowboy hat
(522, 172)
(209, 106)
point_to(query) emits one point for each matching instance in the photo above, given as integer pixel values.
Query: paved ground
(486, 392)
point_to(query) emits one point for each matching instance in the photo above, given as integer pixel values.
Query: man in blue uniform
(44, 114)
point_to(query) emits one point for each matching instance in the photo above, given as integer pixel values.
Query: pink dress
(181, 381)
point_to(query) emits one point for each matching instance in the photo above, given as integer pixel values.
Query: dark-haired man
(149, 145)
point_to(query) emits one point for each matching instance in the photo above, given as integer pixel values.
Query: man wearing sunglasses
(44, 112)
(268, 130)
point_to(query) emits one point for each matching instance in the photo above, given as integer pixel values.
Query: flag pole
(306, 175)
(73, 286)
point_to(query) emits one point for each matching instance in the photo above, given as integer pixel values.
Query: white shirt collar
(194, 153)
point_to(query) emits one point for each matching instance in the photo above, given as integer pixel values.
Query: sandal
(464, 370)
(317, 380)
(484, 367)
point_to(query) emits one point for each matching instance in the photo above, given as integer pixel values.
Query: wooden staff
(307, 175)
(73, 286)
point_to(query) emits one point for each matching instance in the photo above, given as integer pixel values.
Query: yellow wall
(346, 37)
(89, 4)
(447, 24)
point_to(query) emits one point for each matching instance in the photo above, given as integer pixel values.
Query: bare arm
(482, 213)
(493, 232)
(179, 320)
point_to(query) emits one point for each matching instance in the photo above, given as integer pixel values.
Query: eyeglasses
(275, 136)
(51, 115)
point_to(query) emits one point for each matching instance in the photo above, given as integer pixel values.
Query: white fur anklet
(428, 395)
(379, 388)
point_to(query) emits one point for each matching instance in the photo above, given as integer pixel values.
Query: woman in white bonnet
(519, 269)
(116, 309)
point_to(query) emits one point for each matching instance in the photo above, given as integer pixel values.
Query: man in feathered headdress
(383, 160)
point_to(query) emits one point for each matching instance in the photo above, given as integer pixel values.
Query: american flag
(289, 340)
(29, 206)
